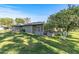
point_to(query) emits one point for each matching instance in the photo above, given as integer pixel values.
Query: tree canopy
(67, 19)
(22, 20)
(6, 22)
(27, 20)
(19, 21)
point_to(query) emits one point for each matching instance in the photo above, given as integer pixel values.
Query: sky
(37, 12)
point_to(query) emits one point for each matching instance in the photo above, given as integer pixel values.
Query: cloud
(11, 11)
(7, 6)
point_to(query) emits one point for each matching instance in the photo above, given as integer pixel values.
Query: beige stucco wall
(28, 29)
(38, 30)
(34, 29)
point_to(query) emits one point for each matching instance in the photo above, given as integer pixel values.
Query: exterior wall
(38, 29)
(50, 34)
(28, 29)
(39, 33)
(16, 29)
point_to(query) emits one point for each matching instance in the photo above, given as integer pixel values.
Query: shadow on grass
(20, 47)
(5, 35)
(12, 48)
(35, 48)
(66, 45)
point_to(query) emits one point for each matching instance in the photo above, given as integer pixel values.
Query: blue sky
(37, 12)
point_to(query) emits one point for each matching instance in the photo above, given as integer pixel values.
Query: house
(34, 27)
(1, 28)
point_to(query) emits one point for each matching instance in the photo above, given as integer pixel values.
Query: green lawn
(23, 43)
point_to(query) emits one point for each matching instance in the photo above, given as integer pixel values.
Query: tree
(71, 6)
(27, 20)
(19, 21)
(67, 19)
(6, 22)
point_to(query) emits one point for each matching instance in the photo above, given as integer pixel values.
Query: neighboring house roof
(30, 24)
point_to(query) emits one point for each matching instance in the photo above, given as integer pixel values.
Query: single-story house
(34, 27)
(1, 28)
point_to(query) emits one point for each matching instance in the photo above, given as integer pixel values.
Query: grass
(23, 43)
